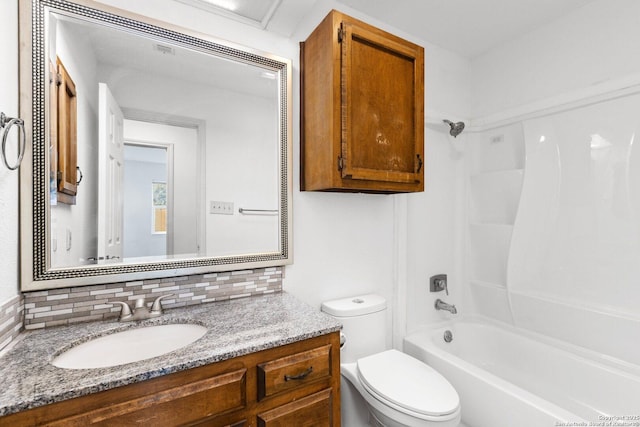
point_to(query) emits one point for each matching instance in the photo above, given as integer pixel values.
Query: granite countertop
(235, 328)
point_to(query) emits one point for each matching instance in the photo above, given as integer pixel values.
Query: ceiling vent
(253, 12)
(164, 49)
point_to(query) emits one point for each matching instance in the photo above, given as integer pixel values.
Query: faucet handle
(125, 311)
(157, 304)
(439, 283)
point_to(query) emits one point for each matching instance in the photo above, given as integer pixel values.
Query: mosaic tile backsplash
(64, 306)
(10, 320)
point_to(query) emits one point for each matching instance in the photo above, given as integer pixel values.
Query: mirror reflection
(157, 150)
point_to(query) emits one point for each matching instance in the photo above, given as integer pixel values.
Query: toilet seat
(408, 385)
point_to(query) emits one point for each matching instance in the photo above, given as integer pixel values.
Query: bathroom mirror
(156, 151)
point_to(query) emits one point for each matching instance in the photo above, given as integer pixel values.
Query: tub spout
(441, 305)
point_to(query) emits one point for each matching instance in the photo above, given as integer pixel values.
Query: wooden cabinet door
(67, 132)
(382, 106)
(183, 398)
(310, 411)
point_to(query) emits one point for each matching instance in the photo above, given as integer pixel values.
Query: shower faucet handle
(438, 283)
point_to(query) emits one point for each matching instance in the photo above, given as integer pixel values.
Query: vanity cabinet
(362, 109)
(295, 384)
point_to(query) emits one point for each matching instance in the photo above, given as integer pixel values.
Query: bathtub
(510, 377)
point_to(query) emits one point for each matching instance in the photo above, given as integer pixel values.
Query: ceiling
(153, 58)
(467, 27)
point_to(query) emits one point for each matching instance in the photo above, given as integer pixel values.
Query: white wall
(240, 157)
(9, 225)
(589, 47)
(242, 164)
(79, 220)
(388, 244)
(346, 244)
(349, 243)
(434, 233)
(138, 239)
(184, 143)
(585, 53)
(434, 230)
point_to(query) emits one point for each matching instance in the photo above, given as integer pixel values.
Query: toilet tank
(364, 324)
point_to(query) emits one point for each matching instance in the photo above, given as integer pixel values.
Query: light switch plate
(221, 208)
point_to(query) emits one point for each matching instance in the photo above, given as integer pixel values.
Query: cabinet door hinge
(340, 35)
(340, 163)
(55, 78)
(420, 163)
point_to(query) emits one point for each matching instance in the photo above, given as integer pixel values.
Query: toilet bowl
(398, 389)
(403, 391)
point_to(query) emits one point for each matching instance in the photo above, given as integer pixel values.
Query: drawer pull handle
(300, 376)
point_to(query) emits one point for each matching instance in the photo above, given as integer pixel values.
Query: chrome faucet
(140, 310)
(441, 305)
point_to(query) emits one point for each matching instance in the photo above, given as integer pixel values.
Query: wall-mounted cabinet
(63, 133)
(362, 109)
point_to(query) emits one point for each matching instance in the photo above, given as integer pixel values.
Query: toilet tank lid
(355, 306)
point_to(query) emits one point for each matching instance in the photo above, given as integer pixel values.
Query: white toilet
(398, 389)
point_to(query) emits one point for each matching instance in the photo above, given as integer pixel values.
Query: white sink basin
(131, 345)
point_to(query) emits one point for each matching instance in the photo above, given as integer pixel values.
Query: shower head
(456, 128)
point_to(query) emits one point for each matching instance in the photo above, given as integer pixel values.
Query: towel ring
(6, 123)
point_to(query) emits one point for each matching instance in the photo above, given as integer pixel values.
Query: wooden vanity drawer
(314, 410)
(292, 371)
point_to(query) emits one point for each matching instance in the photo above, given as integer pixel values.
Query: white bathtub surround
(496, 171)
(574, 260)
(508, 376)
(562, 267)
